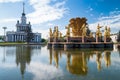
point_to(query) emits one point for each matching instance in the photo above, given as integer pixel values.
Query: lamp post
(4, 32)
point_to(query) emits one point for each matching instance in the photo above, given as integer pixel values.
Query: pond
(36, 62)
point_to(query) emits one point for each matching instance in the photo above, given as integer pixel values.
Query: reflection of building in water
(50, 56)
(119, 51)
(23, 55)
(4, 55)
(78, 64)
(107, 58)
(98, 60)
(7, 52)
(115, 47)
(77, 59)
(56, 58)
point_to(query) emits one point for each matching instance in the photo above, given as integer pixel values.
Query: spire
(23, 18)
(23, 6)
(23, 9)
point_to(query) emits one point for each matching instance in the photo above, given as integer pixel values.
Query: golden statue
(91, 35)
(84, 30)
(107, 32)
(76, 25)
(50, 33)
(98, 32)
(56, 32)
(60, 34)
(68, 31)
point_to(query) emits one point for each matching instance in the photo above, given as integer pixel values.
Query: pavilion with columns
(21, 31)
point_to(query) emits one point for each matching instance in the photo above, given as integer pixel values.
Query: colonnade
(21, 37)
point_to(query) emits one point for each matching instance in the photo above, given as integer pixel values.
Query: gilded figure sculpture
(68, 31)
(60, 34)
(107, 32)
(56, 32)
(84, 30)
(98, 32)
(50, 33)
(76, 25)
(91, 34)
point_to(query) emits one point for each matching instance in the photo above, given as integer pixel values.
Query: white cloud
(113, 21)
(91, 14)
(45, 33)
(89, 9)
(46, 10)
(50, 24)
(6, 1)
(8, 20)
(44, 71)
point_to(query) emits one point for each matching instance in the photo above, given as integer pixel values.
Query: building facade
(21, 34)
(114, 37)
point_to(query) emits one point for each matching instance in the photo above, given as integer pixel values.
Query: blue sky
(44, 14)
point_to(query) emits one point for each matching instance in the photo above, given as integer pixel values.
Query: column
(12, 38)
(15, 38)
(104, 39)
(37, 38)
(96, 39)
(22, 38)
(83, 39)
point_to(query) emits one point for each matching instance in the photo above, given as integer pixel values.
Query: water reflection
(39, 63)
(22, 55)
(77, 64)
(4, 55)
(119, 51)
(77, 60)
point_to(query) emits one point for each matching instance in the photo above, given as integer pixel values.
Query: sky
(45, 14)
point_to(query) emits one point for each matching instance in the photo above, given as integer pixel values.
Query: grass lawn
(19, 43)
(11, 43)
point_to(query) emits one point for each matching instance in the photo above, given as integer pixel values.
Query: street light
(4, 32)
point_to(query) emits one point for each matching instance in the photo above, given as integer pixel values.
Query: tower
(22, 25)
(23, 18)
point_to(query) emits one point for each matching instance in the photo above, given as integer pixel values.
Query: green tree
(43, 40)
(30, 35)
(88, 31)
(1, 38)
(118, 37)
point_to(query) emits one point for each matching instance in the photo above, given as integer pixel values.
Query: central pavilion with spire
(21, 31)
